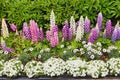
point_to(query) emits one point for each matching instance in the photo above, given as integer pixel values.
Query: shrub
(18, 11)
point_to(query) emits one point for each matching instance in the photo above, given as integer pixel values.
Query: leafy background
(18, 11)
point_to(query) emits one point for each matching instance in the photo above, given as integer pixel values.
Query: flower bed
(57, 67)
(78, 50)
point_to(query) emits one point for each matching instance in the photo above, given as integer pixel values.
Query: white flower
(64, 52)
(76, 67)
(54, 67)
(1, 51)
(5, 52)
(12, 67)
(25, 50)
(52, 19)
(119, 51)
(73, 25)
(96, 68)
(75, 50)
(80, 29)
(33, 68)
(31, 49)
(99, 48)
(5, 32)
(47, 49)
(114, 66)
(92, 56)
(39, 56)
(62, 46)
(104, 50)
(81, 49)
(83, 42)
(41, 51)
(99, 44)
(69, 47)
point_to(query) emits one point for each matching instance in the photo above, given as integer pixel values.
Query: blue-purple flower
(99, 20)
(87, 25)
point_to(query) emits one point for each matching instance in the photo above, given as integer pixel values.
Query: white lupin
(72, 24)
(4, 29)
(80, 29)
(52, 19)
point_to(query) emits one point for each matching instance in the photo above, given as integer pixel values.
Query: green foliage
(18, 11)
(115, 54)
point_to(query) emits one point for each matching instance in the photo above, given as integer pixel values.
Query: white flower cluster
(1, 67)
(76, 67)
(33, 68)
(114, 66)
(92, 49)
(96, 68)
(54, 67)
(12, 68)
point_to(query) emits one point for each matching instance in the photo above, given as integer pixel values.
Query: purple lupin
(87, 25)
(109, 29)
(41, 35)
(70, 34)
(116, 33)
(99, 20)
(95, 33)
(26, 31)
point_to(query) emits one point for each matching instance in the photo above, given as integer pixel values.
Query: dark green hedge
(18, 11)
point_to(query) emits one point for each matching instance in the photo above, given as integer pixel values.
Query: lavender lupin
(26, 31)
(13, 27)
(70, 34)
(87, 25)
(4, 47)
(116, 33)
(41, 35)
(109, 28)
(99, 20)
(95, 33)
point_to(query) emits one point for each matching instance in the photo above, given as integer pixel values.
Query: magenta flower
(87, 25)
(66, 23)
(26, 31)
(116, 34)
(13, 27)
(54, 40)
(52, 36)
(99, 20)
(34, 31)
(95, 33)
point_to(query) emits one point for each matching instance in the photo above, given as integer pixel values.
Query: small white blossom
(83, 42)
(75, 50)
(47, 49)
(104, 50)
(99, 44)
(41, 51)
(5, 52)
(1, 51)
(62, 46)
(92, 56)
(39, 56)
(69, 47)
(64, 52)
(31, 49)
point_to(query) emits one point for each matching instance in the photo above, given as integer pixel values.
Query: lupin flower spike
(5, 32)
(87, 25)
(52, 19)
(99, 20)
(73, 25)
